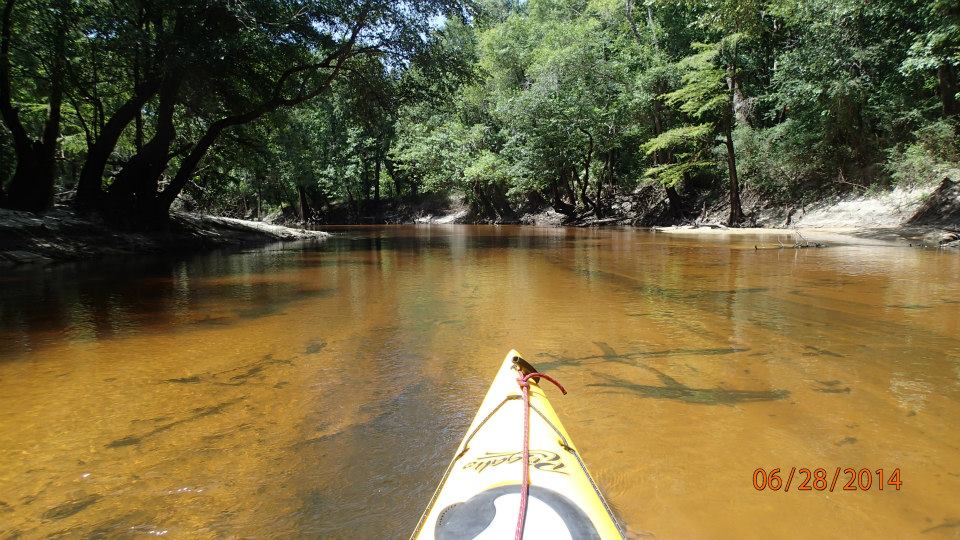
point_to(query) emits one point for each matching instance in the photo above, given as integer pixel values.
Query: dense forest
(348, 110)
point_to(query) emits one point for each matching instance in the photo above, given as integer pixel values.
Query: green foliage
(703, 94)
(689, 145)
(703, 99)
(777, 161)
(934, 154)
(938, 41)
(559, 102)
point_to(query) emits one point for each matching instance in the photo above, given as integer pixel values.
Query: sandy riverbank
(905, 236)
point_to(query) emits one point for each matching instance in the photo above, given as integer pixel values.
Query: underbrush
(933, 155)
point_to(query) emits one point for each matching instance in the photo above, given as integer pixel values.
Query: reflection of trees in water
(96, 303)
(104, 299)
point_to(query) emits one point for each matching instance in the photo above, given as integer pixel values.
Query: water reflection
(319, 389)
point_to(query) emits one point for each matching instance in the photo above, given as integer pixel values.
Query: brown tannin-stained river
(319, 390)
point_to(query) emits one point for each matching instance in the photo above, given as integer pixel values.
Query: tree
(31, 187)
(706, 96)
(936, 49)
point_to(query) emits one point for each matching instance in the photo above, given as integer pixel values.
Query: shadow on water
(334, 506)
(673, 389)
(315, 346)
(242, 374)
(195, 414)
(608, 354)
(810, 350)
(653, 290)
(236, 376)
(72, 507)
(947, 525)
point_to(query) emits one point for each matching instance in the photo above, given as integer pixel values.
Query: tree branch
(11, 117)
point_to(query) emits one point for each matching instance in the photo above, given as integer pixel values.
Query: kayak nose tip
(521, 365)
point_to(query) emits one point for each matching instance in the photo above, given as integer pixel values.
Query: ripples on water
(319, 390)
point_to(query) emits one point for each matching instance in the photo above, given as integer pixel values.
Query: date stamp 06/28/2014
(818, 479)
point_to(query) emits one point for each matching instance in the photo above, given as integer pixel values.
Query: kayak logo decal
(541, 459)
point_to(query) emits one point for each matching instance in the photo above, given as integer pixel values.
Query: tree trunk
(364, 186)
(558, 203)
(741, 105)
(568, 180)
(188, 166)
(90, 185)
(34, 176)
(259, 199)
(134, 191)
(673, 198)
(731, 116)
(598, 199)
(586, 172)
(378, 215)
(31, 187)
(305, 212)
(947, 87)
(736, 211)
(395, 175)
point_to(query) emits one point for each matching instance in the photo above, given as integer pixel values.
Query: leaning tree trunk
(395, 175)
(188, 165)
(134, 193)
(90, 185)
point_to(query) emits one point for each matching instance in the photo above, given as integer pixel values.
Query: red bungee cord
(523, 381)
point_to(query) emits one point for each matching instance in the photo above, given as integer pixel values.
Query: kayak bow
(479, 496)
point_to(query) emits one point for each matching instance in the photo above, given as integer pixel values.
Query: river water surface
(319, 390)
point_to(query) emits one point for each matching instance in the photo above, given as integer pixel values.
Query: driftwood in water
(799, 243)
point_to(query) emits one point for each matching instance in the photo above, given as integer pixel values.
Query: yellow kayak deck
(479, 495)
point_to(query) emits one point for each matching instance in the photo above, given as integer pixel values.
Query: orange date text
(820, 479)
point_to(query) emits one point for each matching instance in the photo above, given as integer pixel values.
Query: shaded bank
(62, 235)
(927, 216)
